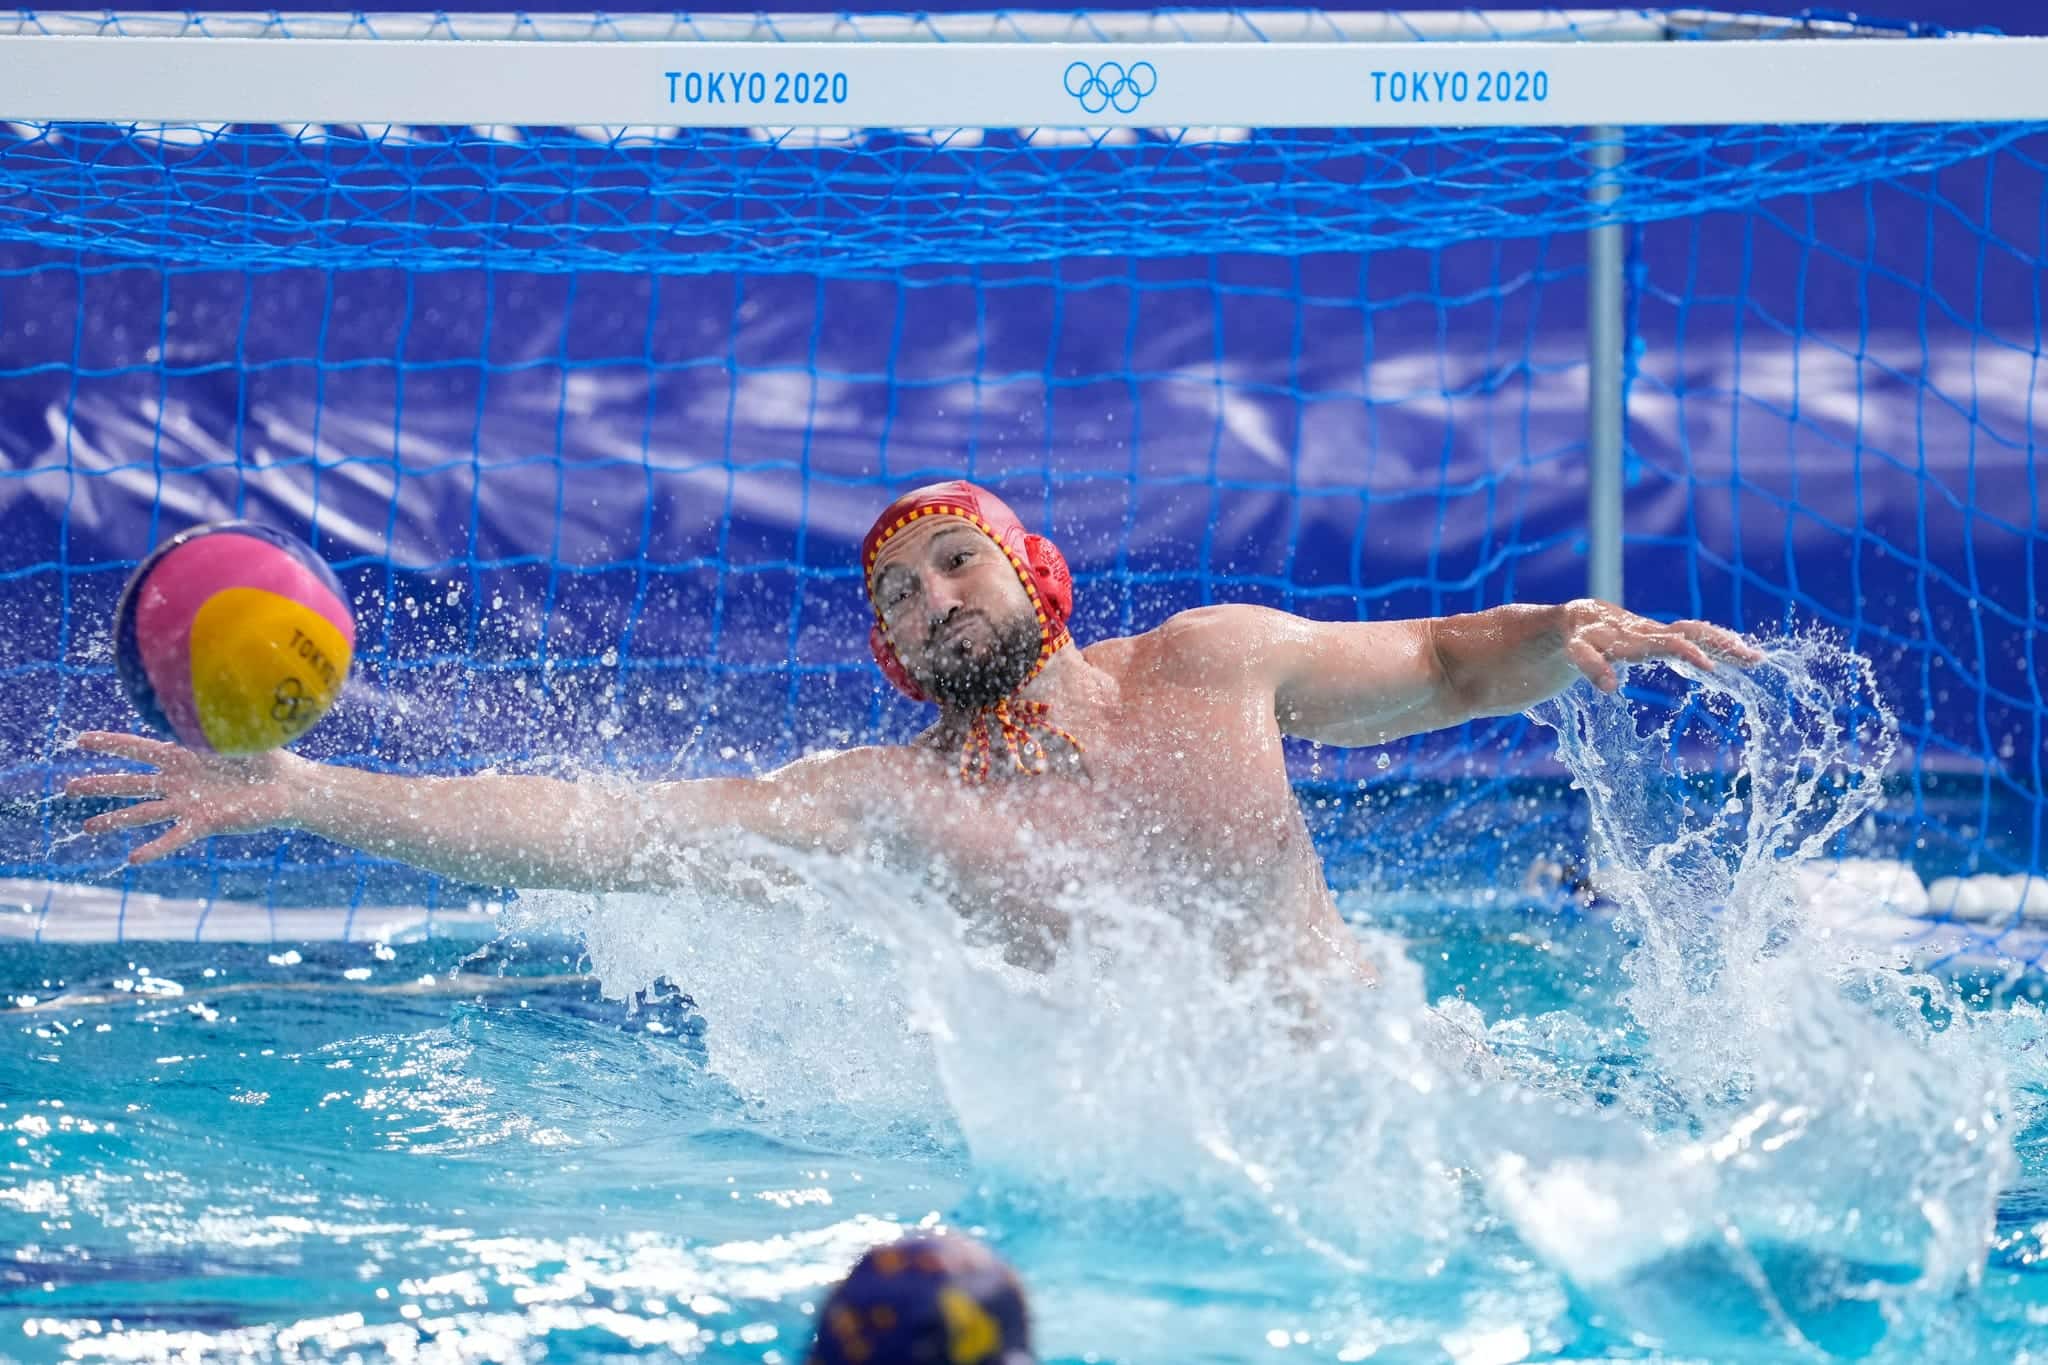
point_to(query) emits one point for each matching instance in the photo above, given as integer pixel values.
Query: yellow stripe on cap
(264, 668)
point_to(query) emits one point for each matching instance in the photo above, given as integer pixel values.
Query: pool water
(1708, 1133)
(458, 1150)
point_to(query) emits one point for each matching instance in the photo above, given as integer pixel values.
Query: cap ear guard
(1055, 580)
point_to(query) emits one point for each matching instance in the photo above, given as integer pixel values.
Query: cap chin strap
(1025, 731)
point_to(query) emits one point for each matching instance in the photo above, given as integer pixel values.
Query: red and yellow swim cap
(1039, 565)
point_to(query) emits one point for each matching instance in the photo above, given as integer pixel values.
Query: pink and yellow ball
(233, 637)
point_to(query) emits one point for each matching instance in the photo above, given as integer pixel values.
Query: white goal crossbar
(1252, 68)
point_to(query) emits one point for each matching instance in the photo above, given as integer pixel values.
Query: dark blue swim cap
(925, 1300)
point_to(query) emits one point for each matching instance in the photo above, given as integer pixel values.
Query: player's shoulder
(1226, 636)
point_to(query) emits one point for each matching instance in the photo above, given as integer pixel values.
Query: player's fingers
(1722, 641)
(133, 747)
(128, 817)
(115, 784)
(1747, 653)
(1660, 644)
(1678, 647)
(1593, 664)
(170, 841)
(1634, 645)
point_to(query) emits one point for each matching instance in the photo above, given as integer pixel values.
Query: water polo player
(1150, 764)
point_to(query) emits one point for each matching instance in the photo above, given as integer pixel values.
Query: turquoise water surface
(1708, 1131)
(276, 1162)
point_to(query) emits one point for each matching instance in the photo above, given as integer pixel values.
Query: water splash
(1807, 1148)
(1835, 1136)
(1134, 1073)
(1700, 815)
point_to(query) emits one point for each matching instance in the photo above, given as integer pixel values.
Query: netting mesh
(714, 201)
(1839, 398)
(589, 422)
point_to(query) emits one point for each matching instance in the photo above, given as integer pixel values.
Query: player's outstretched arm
(1375, 681)
(1498, 662)
(497, 829)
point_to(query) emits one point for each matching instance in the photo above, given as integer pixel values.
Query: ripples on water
(1718, 1138)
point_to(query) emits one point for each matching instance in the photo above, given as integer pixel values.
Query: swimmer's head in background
(925, 1300)
(1039, 565)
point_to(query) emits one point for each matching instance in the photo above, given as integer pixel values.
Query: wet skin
(1177, 795)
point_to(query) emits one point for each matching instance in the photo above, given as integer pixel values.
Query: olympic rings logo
(288, 700)
(1111, 85)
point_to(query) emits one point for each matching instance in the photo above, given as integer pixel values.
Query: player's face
(956, 613)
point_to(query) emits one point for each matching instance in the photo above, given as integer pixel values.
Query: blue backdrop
(609, 515)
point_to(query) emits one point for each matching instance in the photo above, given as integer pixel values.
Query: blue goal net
(590, 420)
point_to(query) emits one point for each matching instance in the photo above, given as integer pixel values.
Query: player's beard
(971, 674)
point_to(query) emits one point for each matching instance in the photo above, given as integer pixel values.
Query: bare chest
(1180, 799)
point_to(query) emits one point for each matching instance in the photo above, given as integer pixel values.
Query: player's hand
(198, 794)
(1599, 635)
